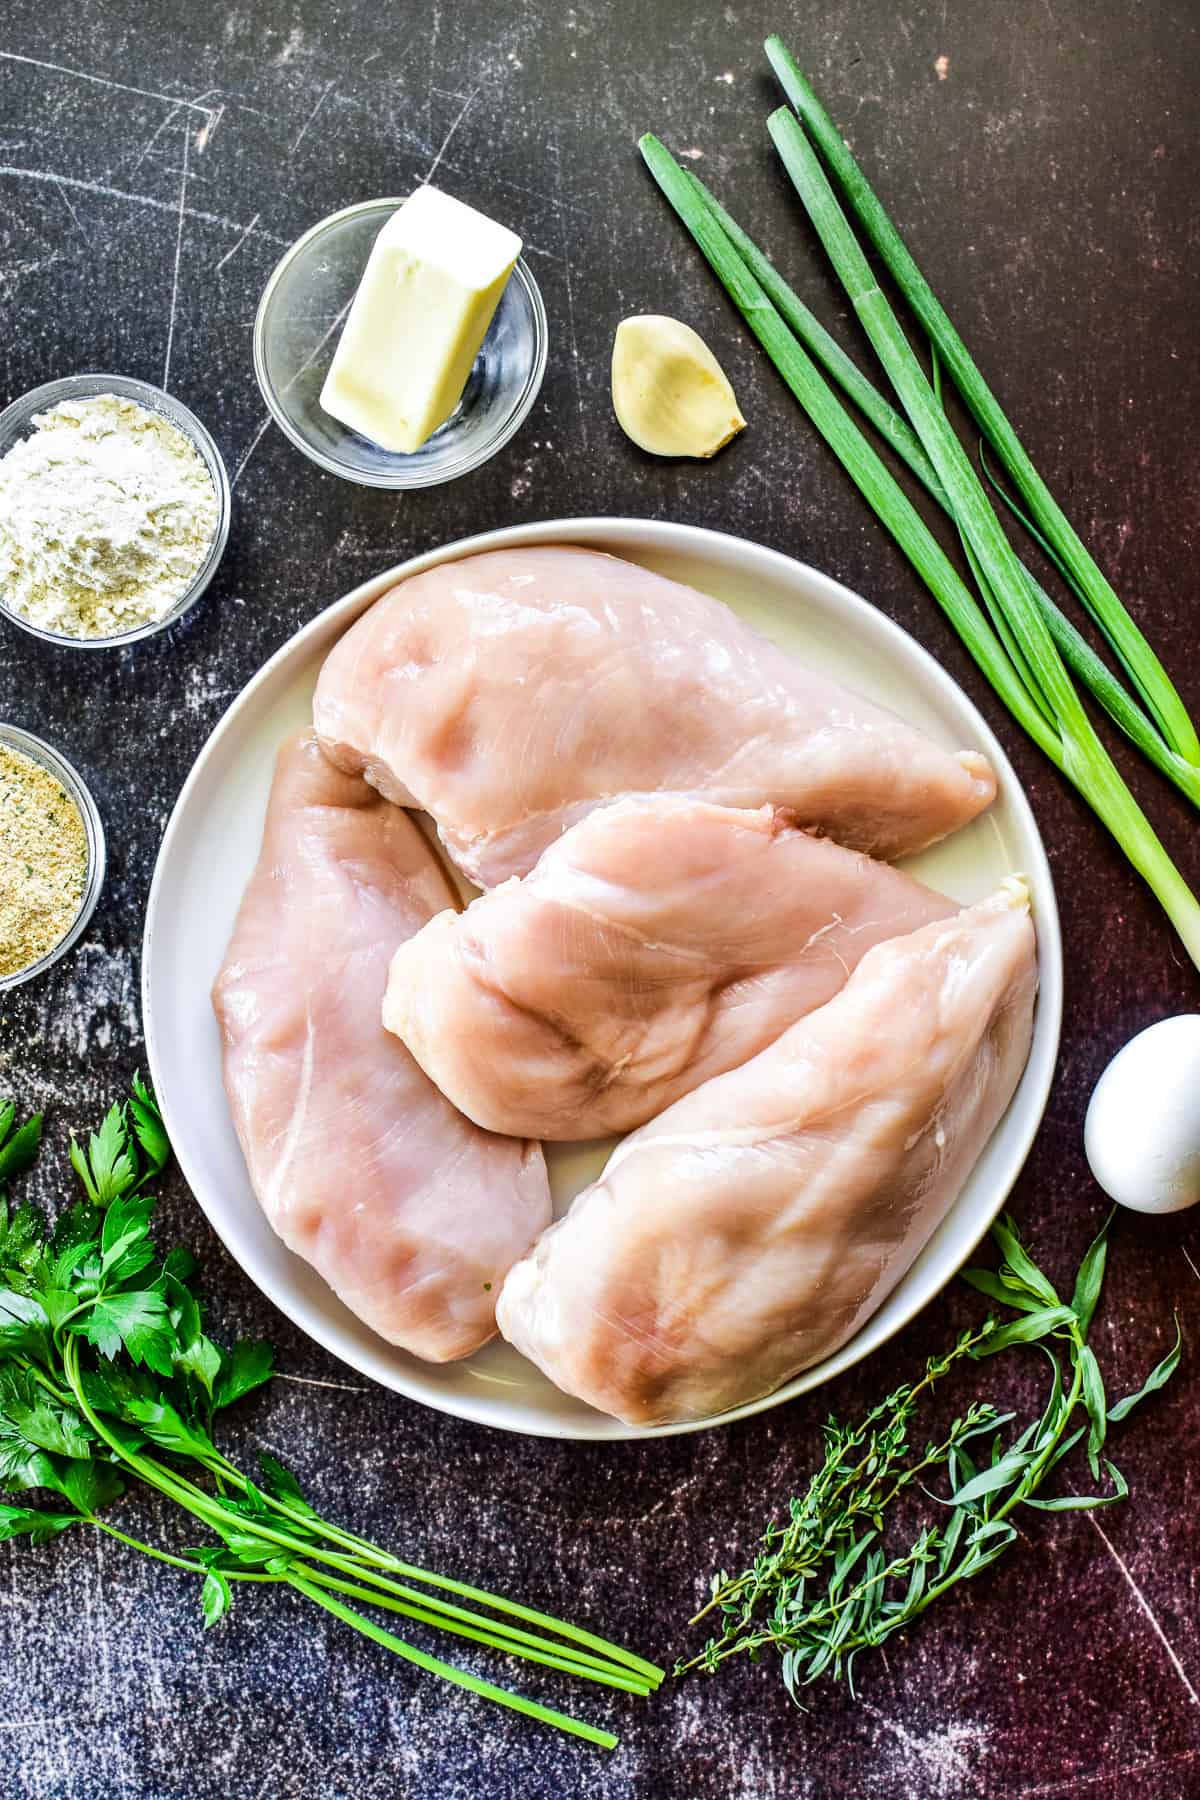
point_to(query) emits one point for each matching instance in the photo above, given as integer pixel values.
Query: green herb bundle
(1022, 641)
(829, 1581)
(107, 1378)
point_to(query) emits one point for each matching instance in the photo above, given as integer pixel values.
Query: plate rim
(684, 538)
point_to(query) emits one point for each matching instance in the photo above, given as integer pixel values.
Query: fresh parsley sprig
(827, 1585)
(107, 1377)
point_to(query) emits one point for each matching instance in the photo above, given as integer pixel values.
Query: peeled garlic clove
(670, 394)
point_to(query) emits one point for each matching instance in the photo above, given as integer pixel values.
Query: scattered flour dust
(107, 512)
(937, 1765)
(99, 1005)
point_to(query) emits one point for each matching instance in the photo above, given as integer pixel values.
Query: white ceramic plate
(212, 842)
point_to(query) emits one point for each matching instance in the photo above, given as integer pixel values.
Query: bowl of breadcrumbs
(51, 856)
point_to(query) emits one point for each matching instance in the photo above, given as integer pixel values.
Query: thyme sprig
(828, 1582)
(108, 1379)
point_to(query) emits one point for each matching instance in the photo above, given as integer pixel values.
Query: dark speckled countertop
(1043, 157)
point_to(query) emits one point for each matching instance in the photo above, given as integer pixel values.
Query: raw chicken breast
(753, 1227)
(659, 942)
(510, 693)
(410, 1213)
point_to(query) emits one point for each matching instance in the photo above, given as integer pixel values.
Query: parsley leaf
(180, 1263)
(106, 1168)
(33, 1419)
(79, 1224)
(167, 1428)
(91, 1486)
(202, 1360)
(24, 1325)
(215, 1597)
(148, 1125)
(22, 1241)
(136, 1322)
(125, 1244)
(22, 1464)
(64, 1267)
(109, 1390)
(246, 1367)
(19, 1150)
(279, 1480)
(33, 1523)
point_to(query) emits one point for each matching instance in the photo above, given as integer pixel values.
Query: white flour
(106, 513)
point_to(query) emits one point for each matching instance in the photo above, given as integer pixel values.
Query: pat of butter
(422, 310)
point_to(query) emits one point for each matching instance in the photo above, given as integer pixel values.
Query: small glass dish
(296, 331)
(69, 778)
(16, 422)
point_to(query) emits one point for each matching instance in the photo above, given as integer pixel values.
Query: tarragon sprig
(828, 1583)
(107, 1377)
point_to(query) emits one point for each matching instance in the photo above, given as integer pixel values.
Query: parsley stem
(588, 1670)
(460, 1677)
(361, 1550)
(107, 1379)
(613, 1664)
(64, 1398)
(176, 1562)
(614, 1652)
(513, 1636)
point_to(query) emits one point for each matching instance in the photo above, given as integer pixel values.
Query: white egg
(1142, 1133)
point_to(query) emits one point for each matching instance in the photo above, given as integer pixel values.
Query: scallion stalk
(1142, 665)
(824, 347)
(861, 461)
(1069, 741)
(1121, 707)
(1089, 763)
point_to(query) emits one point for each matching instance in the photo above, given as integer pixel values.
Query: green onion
(1069, 740)
(974, 512)
(865, 467)
(1074, 648)
(824, 347)
(1141, 664)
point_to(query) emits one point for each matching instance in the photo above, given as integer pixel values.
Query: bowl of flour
(114, 511)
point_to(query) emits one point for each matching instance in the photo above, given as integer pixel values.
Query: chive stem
(862, 463)
(823, 347)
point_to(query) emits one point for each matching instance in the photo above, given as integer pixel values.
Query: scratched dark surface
(1044, 158)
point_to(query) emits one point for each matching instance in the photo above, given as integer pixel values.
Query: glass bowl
(296, 331)
(16, 423)
(69, 778)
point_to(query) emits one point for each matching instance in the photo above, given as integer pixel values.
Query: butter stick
(431, 285)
